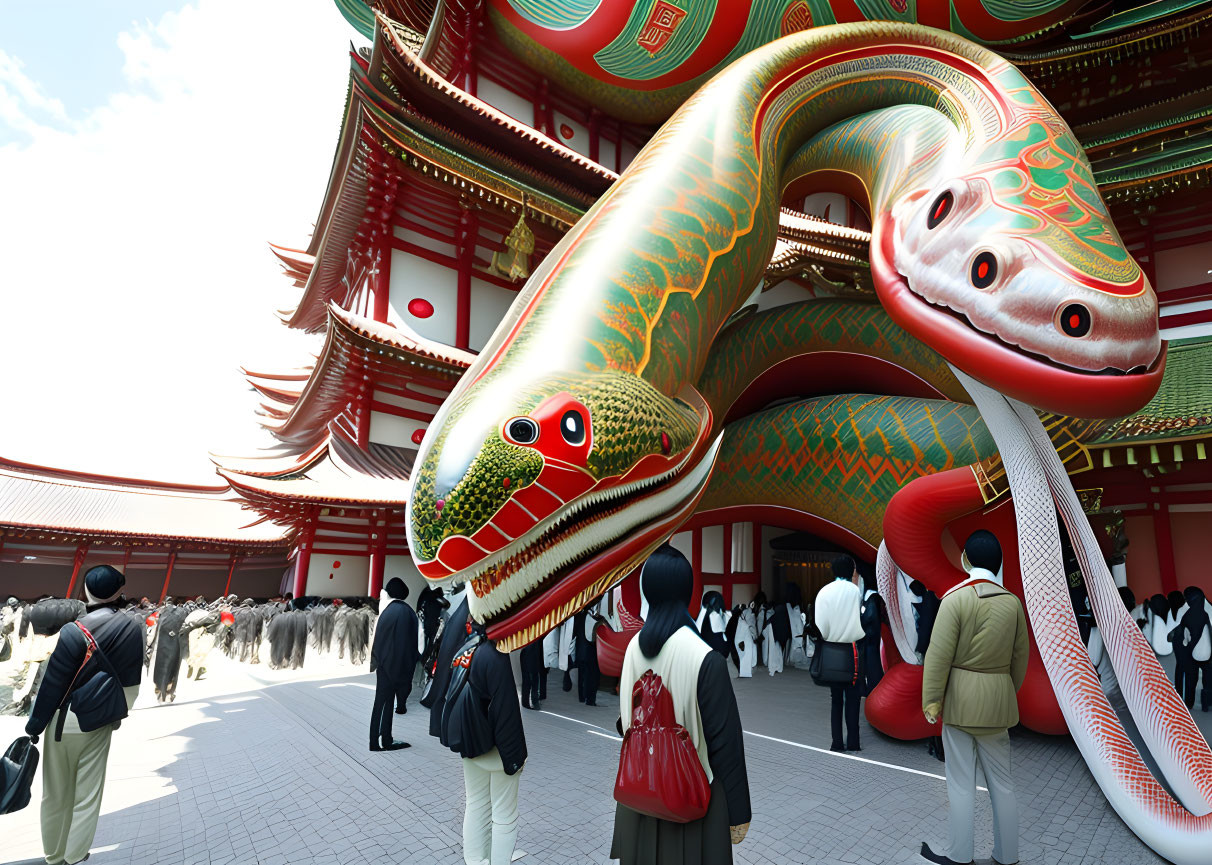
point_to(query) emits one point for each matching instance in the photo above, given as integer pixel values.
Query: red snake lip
(1013, 372)
(572, 589)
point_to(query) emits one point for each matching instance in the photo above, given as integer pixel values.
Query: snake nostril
(1075, 320)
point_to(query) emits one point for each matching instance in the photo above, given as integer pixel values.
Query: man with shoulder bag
(837, 661)
(92, 680)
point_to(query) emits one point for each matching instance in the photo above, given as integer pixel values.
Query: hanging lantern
(514, 260)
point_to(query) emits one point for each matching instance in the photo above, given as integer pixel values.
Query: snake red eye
(939, 209)
(572, 427)
(522, 431)
(984, 270)
(1075, 320)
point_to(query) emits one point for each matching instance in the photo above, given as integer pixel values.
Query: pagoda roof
(355, 347)
(64, 502)
(1181, 409)
(424, 124)
(429, 94)
(338, 474)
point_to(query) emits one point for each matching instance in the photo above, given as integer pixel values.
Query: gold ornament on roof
(513, 261)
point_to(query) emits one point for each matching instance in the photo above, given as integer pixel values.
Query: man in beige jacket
(974, 667)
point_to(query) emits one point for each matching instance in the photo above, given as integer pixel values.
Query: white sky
(134, 272)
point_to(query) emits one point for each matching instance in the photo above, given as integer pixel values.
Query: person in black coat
(530, 659)
(585, 653)
(480, 720)
(873, 615)
(82, 722)
(393, 659)
(1192, 639)
(925, 611)
(431, 604)
(453, 636)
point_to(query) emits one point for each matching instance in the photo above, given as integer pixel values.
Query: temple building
(169, 539)
(458, 169)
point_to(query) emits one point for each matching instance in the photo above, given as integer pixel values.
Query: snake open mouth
(567, 561)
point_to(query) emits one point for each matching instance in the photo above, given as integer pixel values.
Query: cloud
(22, 99)
(136, 276)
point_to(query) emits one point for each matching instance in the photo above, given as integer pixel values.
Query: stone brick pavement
(253, 766)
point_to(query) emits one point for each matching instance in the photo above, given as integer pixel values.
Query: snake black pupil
(984, 270)
(572, 426)
(523, 431)
(1075, 320)
(940, 209)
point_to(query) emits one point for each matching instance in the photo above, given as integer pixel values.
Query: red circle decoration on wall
(420, 307)
(418, 435)
(336, 564)
(566, 131)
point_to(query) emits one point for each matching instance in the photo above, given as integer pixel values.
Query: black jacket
(394, 653)
(452, 639)
(117, 636)
(488, 715)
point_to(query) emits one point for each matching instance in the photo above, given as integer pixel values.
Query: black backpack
(463, 724)
(99, 700)
(17, 768)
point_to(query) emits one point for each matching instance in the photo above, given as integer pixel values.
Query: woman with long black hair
(698, 682)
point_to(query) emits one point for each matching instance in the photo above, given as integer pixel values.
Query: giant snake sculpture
(588, 430)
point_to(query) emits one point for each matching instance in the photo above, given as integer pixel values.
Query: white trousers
(963, 750)
(73, 777)
(490, 823)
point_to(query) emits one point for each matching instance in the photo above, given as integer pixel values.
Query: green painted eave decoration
(360, 16)
(1145, 13)
(1182, 408)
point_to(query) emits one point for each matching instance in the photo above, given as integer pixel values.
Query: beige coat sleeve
(1022, 651)
(940, 654)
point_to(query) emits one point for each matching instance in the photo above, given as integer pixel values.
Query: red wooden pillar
(595, 134)
(726, 530)
(231, 572)
(168, 575)
(470, 43)
(465, 250)
(696, 551)
(380, 279)
(544, 118)
(303, 557)
(378, 560)
(1165, 547)
(77, 563)
(362, 410)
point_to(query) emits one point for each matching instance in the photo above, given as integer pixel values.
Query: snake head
(540, 492)
(1016, 274)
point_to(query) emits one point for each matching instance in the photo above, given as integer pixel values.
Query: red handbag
(659, 769)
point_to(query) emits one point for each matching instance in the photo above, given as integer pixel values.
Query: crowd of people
(972, 644)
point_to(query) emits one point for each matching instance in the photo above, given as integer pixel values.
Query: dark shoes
(401, 710)
(853, 748)
(394, 746)
(930, 856)
(837, 746)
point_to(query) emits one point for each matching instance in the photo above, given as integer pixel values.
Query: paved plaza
(256, 766)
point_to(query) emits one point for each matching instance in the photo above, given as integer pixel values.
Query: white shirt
(837, 609)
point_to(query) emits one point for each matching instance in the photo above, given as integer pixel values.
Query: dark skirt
(643, 840)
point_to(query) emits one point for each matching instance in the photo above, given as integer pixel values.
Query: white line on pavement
(348, 685)
(604, 735)
(574, 720)
(852, 757)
